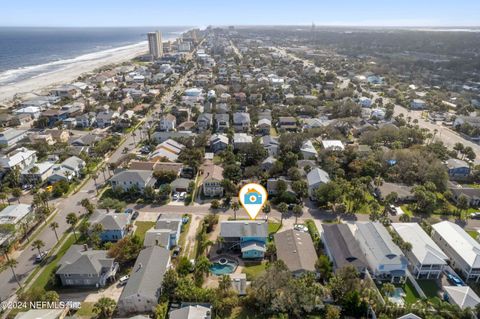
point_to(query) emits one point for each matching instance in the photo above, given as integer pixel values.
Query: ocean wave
(22, 73)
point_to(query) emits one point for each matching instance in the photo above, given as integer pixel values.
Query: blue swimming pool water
(219, 270)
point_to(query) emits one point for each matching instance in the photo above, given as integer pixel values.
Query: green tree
(37, 244)
(283, 209)
(266, 209)
(235, 208)
(324, 267)
(297, 212)
(169, 284)
(332, 312)
(161, 310)
(300, 188)
(53, 226)
(104, 307)
(12, 263)
(72, 220)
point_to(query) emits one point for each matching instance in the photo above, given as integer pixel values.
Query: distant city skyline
(105, 13)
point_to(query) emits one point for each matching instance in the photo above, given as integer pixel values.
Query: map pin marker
(252, 196)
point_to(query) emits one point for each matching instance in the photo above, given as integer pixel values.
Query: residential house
(385, 260)
(21, 158)
(106, 118)
(168, 123)
(168, 149)
(11, 136)
(17, 215)
(241, 121)
(273, 182)
(75, 164)
(404, 192)
(365, 101)
(180, 185)
(143, 288)
(308, 150)
(418, 104)
(173, 226)
(287, 123)
(129, 179)
(462, 296)
(268, 163)
(41, 138)
(457, 169)
(472, 194)
(263, 126)
(426, 259)
(32, 111)
(54, 115)
(271, 144)
(315, 178)
(462, 250)
(341, 247)
(212, 180)
(204, 121)
(191, 312)
(247, 237)
(67, 91)
(61, 136)
(239, 283)
(295, 248)
(81, 266)
(37, 174)
(241, 140)
(333, 145)
(222, 122)
(115, 226)
(86, 120)
(218, 142)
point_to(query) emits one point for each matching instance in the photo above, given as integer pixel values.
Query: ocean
(27, 52)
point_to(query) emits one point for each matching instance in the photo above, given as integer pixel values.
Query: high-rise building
(155, 45)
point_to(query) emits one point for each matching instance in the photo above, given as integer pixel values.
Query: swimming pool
(223, 266)
(397, 296)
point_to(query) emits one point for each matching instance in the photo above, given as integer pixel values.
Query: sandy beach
(71, 71)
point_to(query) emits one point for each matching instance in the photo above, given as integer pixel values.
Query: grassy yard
(183, 235)
(429, 287)
(406, 209)
(42, 280)
(86, 310)
(254, 271)
(411, 294)
(473, 233)
(142, 228)
(273, 227)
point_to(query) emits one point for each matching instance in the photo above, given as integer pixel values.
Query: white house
(167, 123)
(315, 178)
(308, 150)
(460, 247)
(21, 158)
(10, 137)
(462, 296)
(333, 145)
(385, 260)
(418, 104)
(426, 258)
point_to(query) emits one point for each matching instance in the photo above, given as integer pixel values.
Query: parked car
(41, 256)
(475, 215)
(300, 227)
(135, 215)
(123, 280)
(175, 196)
(176, 252)
(182, 195)
(129, 211)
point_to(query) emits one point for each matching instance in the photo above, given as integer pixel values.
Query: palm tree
(3, 197)
(224, 283)
(54, 226)
(103, 171)
(72, 220)
(38, 244)
(297, 212)
(4, 249)
(235, 207)
(202, 266)
(24, 228)
(283, 209)
(104, 307)
(266, 210)
(12, 263)
(17, 193)
(95, 176)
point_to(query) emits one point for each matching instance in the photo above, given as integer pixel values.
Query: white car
(175, 196)
(182, 195)
(123, 280)
(301, 227)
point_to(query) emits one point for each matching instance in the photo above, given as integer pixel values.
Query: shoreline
(73, 68)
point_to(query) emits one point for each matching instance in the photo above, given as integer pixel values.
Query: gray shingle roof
(147, 274)
(342, 246)
(296, 250)
(191, 312)
(77, 260)
(243, 228)
(317, 175)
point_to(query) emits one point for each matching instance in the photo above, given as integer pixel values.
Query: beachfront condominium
(155, 45)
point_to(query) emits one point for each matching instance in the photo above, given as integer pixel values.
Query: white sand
(72, 70)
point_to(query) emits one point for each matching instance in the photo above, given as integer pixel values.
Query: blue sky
(239, 12)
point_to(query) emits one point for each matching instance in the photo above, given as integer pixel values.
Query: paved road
(26, 258)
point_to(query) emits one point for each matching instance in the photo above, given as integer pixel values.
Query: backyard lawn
(273, 227)
(254, 271)
(411, 294)
(86, 310)
(142, 228)
(429, 287)
(473, 233)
